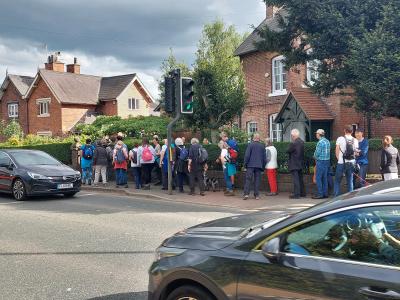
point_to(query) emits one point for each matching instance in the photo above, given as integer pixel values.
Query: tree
(219, 83)
(338, 34)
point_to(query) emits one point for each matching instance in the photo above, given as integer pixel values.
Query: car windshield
(34, 158)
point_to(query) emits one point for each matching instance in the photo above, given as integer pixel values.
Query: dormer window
(279, 76)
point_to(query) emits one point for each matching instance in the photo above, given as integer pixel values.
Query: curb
(122, 191)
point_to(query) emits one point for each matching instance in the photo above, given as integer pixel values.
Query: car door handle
(379, 293)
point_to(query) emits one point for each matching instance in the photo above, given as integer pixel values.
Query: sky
(113, 37)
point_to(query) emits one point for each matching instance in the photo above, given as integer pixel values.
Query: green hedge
(62, 152)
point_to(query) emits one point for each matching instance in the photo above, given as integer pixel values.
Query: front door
(348, 255)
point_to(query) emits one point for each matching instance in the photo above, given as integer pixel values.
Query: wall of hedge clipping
(62, 152)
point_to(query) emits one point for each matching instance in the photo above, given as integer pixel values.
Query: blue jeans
(363, 175)
(322, 177)
(87, 174)
(252, 173)
(136, 172)
(121, 178)
(346, 169)
(228, 180)
(181, 178)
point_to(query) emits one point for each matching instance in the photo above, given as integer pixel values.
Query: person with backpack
(271, 168)
(390, 159)
(181, 162)
(225, 161)
(135, 165)
(196, 165)
(147, 156)
(120, 158)
(254, 162)
(87, 162)
(346, 148)
(100, 163)
(233, 154)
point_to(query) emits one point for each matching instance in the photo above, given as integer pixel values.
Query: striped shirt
(323, 150)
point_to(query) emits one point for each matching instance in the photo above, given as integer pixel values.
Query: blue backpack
(120, 157)
(184, 154)
(87, 152)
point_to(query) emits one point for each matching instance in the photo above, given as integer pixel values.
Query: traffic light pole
(177, 77)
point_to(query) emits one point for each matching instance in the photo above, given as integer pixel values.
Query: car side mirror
(271, 249)
(11, 166)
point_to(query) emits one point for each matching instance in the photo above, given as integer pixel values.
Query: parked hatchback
(25, 173)
(347, 248)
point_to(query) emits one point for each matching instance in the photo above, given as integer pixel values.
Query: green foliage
(355, 41)
(60, 151)
(12, 130)
(132, 126)
(219, 84)
(241, 136)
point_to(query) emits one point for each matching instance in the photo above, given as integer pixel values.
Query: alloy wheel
(19, 190)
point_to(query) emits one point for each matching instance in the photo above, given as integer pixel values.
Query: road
(93, 246)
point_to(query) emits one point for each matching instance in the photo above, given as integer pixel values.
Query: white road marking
(14, 202)
(83, 195)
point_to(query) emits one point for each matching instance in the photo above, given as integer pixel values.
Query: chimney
(54, 63)
(74, 68)
(271, 11)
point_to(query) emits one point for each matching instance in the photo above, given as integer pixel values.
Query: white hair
(295, 132)
(178, 142)
(194, 141)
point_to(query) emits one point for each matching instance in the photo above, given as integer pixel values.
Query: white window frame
(312, 71)
(44, 103)
(251, 130)
(12, 109)
(44, 133)
(278, 71)
(276, 128)
(133, 104)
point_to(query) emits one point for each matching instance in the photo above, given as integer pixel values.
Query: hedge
(62, 152)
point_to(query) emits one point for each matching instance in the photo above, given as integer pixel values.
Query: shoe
(146, 187)
(117, 186)
(191, 193)
(95, 185)
(164, 189)
(126, 186)
(90, 182)
(245, 197)
(303, 196)
(202, 194)
(181, 191)
(317, 197)
(257, 198)
(226, 192)
(294, 197)
(229, 194)
(272, 194)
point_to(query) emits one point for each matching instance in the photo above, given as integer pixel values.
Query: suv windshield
(34, 158)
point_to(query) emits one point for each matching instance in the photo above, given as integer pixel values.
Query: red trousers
(271, 175)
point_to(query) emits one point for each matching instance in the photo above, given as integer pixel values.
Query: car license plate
(65, 186)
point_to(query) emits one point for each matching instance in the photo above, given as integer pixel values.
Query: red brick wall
(11, 95)
(108, 108)
(51, 123)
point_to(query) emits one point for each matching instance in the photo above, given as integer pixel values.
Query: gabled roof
(249, 44)
(312, 106)
(112, 87)
(21, 83)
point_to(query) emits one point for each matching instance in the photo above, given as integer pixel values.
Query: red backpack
(146, 154)
(233, 155)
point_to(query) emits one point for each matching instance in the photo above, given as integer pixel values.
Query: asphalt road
(93, 246)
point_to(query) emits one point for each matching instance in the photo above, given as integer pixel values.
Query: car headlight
(37, 176)
(78, 175)
(165, 252)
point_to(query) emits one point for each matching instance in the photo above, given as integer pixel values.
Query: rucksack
(134, 157)
(349, 154)
(87, 152)
(120, 157)
(183, 155)
(203, 156)
(232, 155)
(233, 144)
(146, 154)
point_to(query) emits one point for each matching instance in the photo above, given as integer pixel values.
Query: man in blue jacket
(255, 160)
(362, 157)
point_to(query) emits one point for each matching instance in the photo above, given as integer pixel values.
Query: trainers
(230, 194)
(245, 197)
(257, 197)
(202, 194)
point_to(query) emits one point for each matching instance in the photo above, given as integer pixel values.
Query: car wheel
(190, 292)
(70, 195)
(18, 190)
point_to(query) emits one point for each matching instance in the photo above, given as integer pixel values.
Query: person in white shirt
(346, 148)
(271, 168)
(224, 158)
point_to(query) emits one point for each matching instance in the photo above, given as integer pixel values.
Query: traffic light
(187, 95)
(169, 94)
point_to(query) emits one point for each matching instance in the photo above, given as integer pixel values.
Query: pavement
(217, 199)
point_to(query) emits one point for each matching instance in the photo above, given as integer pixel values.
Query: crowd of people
(149, 161)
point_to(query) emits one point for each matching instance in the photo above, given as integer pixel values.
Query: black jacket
(255, 156)
(100, 156)
(296, 155)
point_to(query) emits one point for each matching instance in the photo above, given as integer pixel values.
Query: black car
(346, 248)
(27, 173)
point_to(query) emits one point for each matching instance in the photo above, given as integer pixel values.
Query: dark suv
(347, 248)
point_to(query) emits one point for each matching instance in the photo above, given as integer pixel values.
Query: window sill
(13, 117)
(278, 93)
(44, 116)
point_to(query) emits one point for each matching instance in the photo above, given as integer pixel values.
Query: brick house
(279, 100)
(55, 100)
